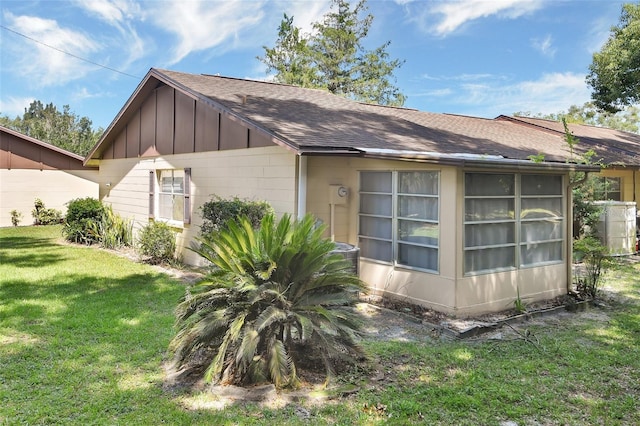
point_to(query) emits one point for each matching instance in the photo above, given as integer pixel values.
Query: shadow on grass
(29, 252)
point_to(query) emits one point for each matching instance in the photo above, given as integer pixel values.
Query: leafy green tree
(615, 70)
(63, 129)
(276, 300)
(334, 58)
(627, 119)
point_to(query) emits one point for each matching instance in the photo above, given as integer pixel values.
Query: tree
(277, 300)
(615, 71)
(333, 57)
(627, 119)
(63, 129)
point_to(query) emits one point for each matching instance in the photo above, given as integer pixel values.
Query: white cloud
(445, 17)
(44, 62)
(544, 46)
(551, 93)
(201, 25)
(122, 15)
(305, 13)
(13, 107)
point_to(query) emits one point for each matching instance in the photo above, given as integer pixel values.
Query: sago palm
(277, 297)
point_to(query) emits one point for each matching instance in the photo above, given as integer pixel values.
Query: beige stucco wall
(20, 187)
(449, 290)
(255, 174)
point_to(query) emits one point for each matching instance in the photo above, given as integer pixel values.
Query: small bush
(217, 212)
(82, 223)
(44, 216)
(594, 257)
(157, 243)
(16, 217)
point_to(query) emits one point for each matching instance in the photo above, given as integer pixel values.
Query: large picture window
(399, 217)
(512, 221)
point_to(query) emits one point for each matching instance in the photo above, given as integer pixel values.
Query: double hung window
(171, 195)
(172, 189)
(399, 217)
(512, 221)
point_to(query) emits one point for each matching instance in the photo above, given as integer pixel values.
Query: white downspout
(302, 186)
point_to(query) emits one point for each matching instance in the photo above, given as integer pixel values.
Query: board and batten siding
(267, 173)
(169, 122)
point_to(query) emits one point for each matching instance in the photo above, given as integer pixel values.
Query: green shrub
(157, 243)
(16, 217)
(82, 223)
(594, 258)
(217, 212)
(44, 216)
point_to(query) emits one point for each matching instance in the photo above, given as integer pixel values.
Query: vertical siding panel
(185, 118)
(258, 139)
(233, 135)
(206, 134)
(164, 120)
(148, 127)
(133, 136)
(108, 153)
(120, 145)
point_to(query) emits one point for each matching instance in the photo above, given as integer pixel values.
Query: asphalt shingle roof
(313, 119)
(316, 118)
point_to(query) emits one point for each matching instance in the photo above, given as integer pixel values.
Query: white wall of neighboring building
(19, 189)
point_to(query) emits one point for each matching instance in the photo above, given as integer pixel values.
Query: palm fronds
(277, 295)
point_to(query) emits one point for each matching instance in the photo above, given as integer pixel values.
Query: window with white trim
(172, 188)
(512, 221)
(399, 217)
(608, 189)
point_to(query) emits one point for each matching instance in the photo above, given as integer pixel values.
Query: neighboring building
(619, 151)
(448, 211)
(31, 169)
(618, 194)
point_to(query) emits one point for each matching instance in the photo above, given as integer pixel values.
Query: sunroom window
(512, 221)
(399, 217)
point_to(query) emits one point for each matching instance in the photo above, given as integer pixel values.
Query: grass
(83, 335)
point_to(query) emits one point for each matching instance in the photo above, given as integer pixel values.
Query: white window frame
(395, 239)
(156, 194)
(558, 222)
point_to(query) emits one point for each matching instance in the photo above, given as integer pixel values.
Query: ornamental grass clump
(276, 303)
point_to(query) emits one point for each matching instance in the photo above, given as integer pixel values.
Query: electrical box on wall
(338, 194)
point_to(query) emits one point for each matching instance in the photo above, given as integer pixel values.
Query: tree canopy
(334, 58)
(627, 119)
(615, 71)
(63, 129)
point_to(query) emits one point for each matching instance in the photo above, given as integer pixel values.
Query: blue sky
(473, 57)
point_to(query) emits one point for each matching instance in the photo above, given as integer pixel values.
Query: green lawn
(83, 336)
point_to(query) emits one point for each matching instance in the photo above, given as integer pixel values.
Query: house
(31, 169)
(447, 211)
(618, 150)
(618, 194)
